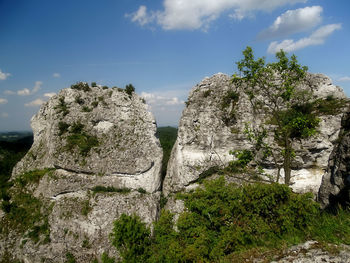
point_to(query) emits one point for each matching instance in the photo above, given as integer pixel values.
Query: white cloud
(56, 75)
(167, 105)
(37, 86)
(4, 75)
(3, 101)
(49, 95)
(197, 14)
(346, 78)
(35, 103)
(318, 37)
(9, 92)
(26, 92)
(23, 92)
(294, 21)
(4, 114)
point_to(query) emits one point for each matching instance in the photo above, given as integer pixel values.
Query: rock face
(335, 187)
(206, 135)
(105, 160)
(101, 131)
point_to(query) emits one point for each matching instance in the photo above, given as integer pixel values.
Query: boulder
(335, 187)
(95, 156)
(210, 128)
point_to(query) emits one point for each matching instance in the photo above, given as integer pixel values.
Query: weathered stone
(102, 131)
(335, 187)
(98, 139)
(208, 131)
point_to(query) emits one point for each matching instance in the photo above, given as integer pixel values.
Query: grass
(25, 213)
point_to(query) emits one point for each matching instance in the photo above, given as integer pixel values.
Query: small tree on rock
(287, 110)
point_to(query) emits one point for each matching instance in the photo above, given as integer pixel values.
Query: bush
(85, 142)
(62, 107)
(132, 238)
(110, 189)
(81, 86)
(62, 128)
(93, 84)
(129, 89)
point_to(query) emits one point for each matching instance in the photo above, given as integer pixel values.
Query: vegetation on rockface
(77, 137)
(167, 137)
(228, 104)
(290, 113)
(129, 89)
(25, 213)
(223, 220)
(62, 107)
(81, 86)
(110, 189)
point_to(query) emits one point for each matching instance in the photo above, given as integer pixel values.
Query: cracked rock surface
(96, 139)
(207, 133)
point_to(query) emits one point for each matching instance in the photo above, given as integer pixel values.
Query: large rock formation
(104, 160)
(208, 132)
(335, 187)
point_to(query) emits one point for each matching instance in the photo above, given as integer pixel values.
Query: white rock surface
(204, 139)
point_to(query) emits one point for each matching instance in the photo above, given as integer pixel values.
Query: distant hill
(14, 136)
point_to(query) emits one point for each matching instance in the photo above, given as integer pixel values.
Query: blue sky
(162, 47)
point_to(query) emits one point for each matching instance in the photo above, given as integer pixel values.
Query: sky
(162, 47)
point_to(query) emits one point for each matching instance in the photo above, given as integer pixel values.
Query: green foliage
(62, 107)
(25, 213)
(272, 90)
(93, 84)
(79, 138)
(70, 258)
(207, 173)
(94, 104)
(110, 189)
(243, 157)
(79, 100)
(206, 93)
(167, 137)
(81, 86)
(106, 259)
(132, 238)
(228, 104)
(223, 220)
(105, 87)
(62, 128)
(129, 89)
(86, 109)
(86, 208)
(330, 105)
(32, 177)
(141, 190)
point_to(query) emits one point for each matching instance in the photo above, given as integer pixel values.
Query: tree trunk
(287, 162)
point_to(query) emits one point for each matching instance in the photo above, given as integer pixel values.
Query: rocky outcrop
(104, 160)
(101, 131)
(335, 187)
(210, 128)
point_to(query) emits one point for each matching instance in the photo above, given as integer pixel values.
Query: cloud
(294, 21)
(49, 95)
(4, 115)
(346, 78)
(35, 103)
(9, 92)
(4, 75)
(197, 14)
(3, 101)
(56, 75)
(318, 37)
(26, 92)
(167, 105)
(23, 92)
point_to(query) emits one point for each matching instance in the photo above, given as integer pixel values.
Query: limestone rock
(101, 131)
(105, 160)
(335, 187)
(207, 133)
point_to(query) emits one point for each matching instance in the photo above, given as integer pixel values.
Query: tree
(272, 89)
(129, 89)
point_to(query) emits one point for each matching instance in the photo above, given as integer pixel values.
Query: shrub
(86, 109)
(62, 106)
(93, 84)
(62, 128)
(105, 87)
(129, 89)
(79, 100)
(132, 238)
(81, 86)
(85, 142)
(94, 104)
(141, 190)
